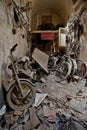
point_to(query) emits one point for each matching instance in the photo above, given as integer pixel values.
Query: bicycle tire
(74, 66)
(65, 67)
(23, 104)
(81, 69)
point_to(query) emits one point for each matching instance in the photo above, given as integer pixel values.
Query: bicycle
(21, 92)
(62, 67)
(81, 69)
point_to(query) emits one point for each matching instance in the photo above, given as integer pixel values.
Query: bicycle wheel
(15, 99)
(62, 72)
(81, 69)
(74, 66)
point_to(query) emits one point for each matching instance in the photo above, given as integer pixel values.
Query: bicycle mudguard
(7, 87)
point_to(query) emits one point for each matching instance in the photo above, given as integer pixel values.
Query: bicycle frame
(14, 70)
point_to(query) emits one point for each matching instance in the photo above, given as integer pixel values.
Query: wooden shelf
(49, 31)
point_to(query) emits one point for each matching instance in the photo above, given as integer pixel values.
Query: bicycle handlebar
(13, 48)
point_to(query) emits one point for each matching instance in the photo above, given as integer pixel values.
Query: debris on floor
(39, 98)
(56, 106)
(3, 110)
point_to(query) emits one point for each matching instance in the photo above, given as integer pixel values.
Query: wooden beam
(77, 5)
(43, 31)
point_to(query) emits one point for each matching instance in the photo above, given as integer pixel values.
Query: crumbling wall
(11, 32)
(83, 39)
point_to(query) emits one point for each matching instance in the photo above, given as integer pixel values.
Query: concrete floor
(77, 92)
(77, 105)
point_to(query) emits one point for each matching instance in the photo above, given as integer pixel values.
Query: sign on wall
(47, 36)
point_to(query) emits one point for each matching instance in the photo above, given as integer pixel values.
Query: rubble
(3, 110)
(79, 105)
(33, 122)
(52, 102)
(39, 98)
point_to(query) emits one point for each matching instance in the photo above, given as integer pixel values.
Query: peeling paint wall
(7, 38)
(83, 38)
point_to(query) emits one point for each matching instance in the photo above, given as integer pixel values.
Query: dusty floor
(65, 98)
(76, 90)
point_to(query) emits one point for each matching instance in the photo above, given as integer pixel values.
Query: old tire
(14, 98)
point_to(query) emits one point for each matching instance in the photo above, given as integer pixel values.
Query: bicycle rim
(81, 69)
(15, 99)
(63, 72)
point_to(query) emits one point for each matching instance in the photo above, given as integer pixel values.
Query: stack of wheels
(15, 99)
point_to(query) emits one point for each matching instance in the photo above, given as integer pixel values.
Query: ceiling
(62, 8)
(74, 1)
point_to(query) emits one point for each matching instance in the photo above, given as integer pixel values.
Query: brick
(18, 113)
(33, 122)
(43, 127)
(14, 127)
